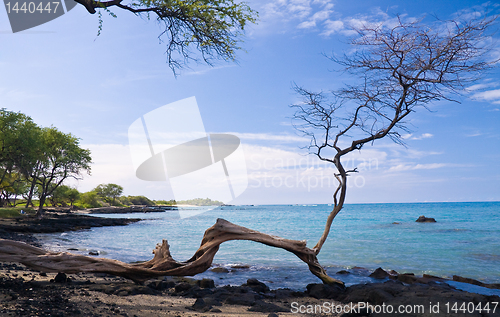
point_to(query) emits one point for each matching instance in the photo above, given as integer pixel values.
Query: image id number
(32, 7)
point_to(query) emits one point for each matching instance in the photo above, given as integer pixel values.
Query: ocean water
(464, 241)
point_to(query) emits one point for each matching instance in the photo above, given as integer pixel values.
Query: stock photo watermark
(170, 144)
(25, 15)
(306, 173)
(388, 309)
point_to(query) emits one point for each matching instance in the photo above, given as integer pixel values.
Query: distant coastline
(127, 209)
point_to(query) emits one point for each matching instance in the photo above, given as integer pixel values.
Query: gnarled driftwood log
(162, 263)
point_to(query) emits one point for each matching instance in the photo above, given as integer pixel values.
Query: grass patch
(15, 212)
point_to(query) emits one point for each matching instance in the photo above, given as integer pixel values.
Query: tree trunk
(162, 263)
(40, 212)
(339, 203)
(30, 195)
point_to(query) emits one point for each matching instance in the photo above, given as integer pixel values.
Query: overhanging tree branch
(194, 30)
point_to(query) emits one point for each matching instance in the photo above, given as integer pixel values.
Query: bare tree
(400, 69)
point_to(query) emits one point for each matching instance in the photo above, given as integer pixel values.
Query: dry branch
(401, 68)
(162, 263)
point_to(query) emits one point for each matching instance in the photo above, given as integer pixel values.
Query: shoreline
(85, 294)
(22, 229)
(26, 292)
(54, 222)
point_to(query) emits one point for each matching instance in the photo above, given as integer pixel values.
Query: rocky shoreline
(27, 293)
(57, 222)
(130, 209)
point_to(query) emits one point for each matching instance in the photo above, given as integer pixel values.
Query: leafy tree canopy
(210, 28)
(109, 192)
(62, 158)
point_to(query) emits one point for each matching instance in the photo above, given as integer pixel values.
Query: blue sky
(62, 74)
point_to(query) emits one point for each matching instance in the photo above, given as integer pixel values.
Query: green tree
(61, 158)
(201, 202)
(18, 187)
(192, 29)
(19, 144)
(58, 196)
(89, 200)
(170, 202)
(72, 195)
(140, 200)
(64, 195)
(109, 192)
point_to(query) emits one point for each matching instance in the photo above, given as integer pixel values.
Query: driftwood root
(162, 264)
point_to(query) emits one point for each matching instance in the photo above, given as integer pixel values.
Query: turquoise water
(465, 240)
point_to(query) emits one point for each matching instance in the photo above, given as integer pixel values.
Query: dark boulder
(408, 278)
(363, 293)
(219, 270)
(263, 307)
(244, 299)
(320, 291)
(182, 287)
(425, 219)
(379, 274)
(256, 285)
(61, 278)
(467, 280)
(200, 305)
(206, 283)
(161, 285)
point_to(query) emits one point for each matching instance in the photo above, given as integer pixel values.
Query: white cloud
(332, 27)
(128, 77)
(429, 166)
(302, 14)
(317, 17)
(320, 16)
(270, 137)
(410, 136)
(307, 24)
(423, 136)
(111, 163)
(490, 96)
(206, 69)
(377, 18)
(407, 167)
(474, 134)
(288, 9)
(18, 95)
(415, 154)
(480, 86)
